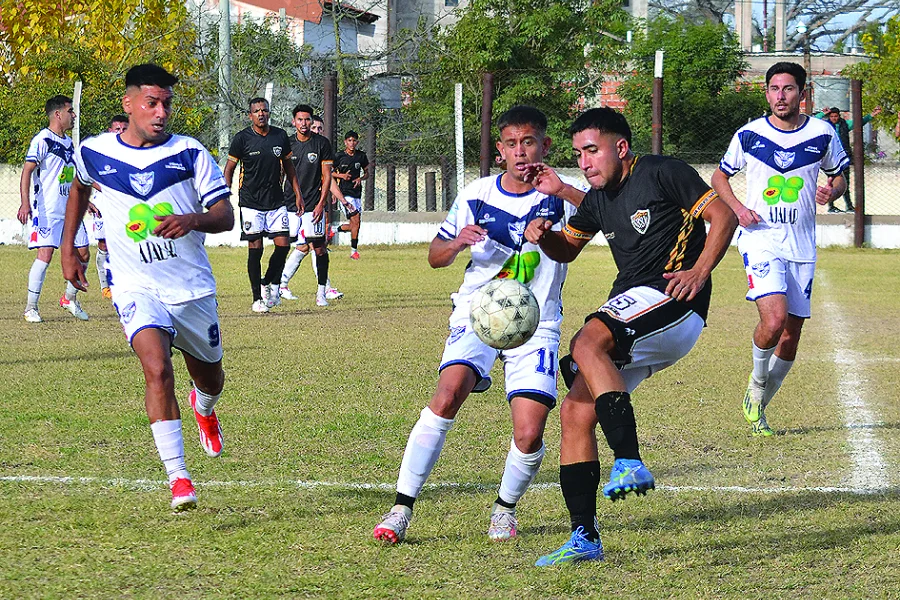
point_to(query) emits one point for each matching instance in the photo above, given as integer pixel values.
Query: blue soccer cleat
(628, 475)
(578, 548)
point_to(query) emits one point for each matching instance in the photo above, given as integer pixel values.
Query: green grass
(329, 395)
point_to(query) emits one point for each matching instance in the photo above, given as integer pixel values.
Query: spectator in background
(843, 127)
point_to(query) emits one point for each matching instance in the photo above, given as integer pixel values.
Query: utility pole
(224, 108)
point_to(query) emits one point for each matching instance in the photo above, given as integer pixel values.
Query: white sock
(205, 402)
(71, 291)
(102, 257)
(761, 359)
(321, 290)
(291, 265)
(170, 444)
(778, 370)
(422, 450)
(35, 282)
(519, 472)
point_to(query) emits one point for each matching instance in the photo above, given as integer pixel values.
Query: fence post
(391, 170)
(487, 104)
(656, 141)
(430, 192)
(446, 184)
(370, 180)
(859, 184)
(412, 183)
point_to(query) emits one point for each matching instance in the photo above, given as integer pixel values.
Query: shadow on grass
(823, 429)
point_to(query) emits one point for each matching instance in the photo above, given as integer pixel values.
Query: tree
(547, 53)
(703, 103)
(830, 24)
(881, 85)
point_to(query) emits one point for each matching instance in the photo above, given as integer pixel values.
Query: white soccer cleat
(333, 294)
(504, 525)
(320, 299)
(33, 316)
(392, 528)
(73, 307)
(259, 307)
(273, 296)
(183, 495)
(286, 294)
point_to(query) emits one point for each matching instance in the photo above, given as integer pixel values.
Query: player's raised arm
(443, 252)
(72, 267)
(545, 180)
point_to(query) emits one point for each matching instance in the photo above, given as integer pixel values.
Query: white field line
(151, 484)
(868, 470)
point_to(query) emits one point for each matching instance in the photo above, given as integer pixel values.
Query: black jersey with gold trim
(652, 223)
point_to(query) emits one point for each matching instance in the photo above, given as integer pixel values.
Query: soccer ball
(504, 313)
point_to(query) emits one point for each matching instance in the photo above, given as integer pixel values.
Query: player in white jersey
(489, 216)
(48, 173)
(161, 193)
(117, 124)
(783, 154)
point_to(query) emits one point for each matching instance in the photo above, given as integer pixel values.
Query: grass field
(316, 412)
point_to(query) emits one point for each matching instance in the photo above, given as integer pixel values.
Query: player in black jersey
(651, 210)
(264, 151)
(350, 167)
(311, 160)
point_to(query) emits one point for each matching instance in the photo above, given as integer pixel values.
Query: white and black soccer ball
(504, 313)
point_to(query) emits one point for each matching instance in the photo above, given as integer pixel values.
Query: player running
(160, 194)
(651, 210)
(48, 172)
(783, 154)
(489, 217)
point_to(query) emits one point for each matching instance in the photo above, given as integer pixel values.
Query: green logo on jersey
(141, 221)
(67, 174)
(520, 266)
(782, 190)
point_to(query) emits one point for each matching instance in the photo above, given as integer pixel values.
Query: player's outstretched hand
(175, 226)
(684, 285)
(471, 235)
(536, 230)
(824, 192)
(543, 178)
(73, 269)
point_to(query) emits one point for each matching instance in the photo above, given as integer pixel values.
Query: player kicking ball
(160, 194)
(651, 210)
(489, 217)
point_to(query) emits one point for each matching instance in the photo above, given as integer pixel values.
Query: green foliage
(702, 103)
(547, 53)
(881, 86)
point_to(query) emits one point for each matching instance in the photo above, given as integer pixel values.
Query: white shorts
(294, 230)
(353, 206)
(303, 229)
(652, 332)
(529, 370)
(193, 325)
(768, 274)
(99, 232)
(47, 233)
(256, 224)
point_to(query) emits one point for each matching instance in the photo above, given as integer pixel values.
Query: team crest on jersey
(784, 159)
(640, 220)
(276, 150)
(141, 183)
(127, 313)
(516, 231)
(761, 269)
(311, 157)
(247, 225)
(456, 333)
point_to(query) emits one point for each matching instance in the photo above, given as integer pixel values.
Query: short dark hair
(351, 134)
(834, 111)
(149, 74)
(118, 119)
(604, 120)
(793, 69)
(318, 118)
(303, 108)
(56, 103)
(256, 100)
(523, 115)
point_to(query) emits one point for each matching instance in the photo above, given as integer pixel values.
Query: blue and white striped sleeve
(209, 182)
(734, 159)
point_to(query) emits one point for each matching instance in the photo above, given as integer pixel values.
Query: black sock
(254, 270)
(322, 267)
(579, 483)
(504, 504)
(616, 416)
(354, 242)
(276, 264)
(404, 500)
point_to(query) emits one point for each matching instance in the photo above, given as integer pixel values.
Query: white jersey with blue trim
(782, 169)
(139, 184)
(505, 253)
(52, 179)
